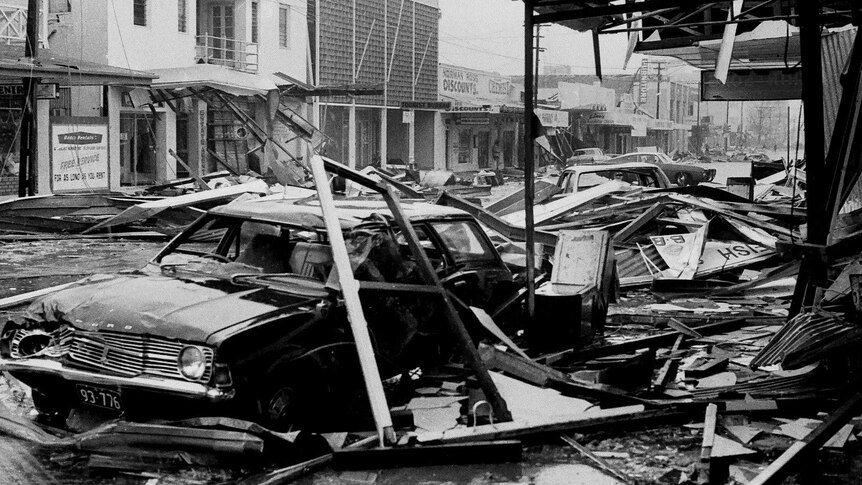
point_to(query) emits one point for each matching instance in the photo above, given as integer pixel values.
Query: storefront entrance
(137, 149)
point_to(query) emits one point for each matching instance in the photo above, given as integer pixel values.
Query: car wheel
(683, 179)
(287, 401)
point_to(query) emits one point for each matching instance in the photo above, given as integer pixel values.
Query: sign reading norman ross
(79, 157)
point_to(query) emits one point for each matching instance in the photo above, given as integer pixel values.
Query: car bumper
(53, 368)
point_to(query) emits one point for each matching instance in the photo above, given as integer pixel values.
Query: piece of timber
(779, 469)
(174, 437)
(654, 341)
(500, 451)
(403, 188)
(353, 304)
(518, 366)
(613, 418)
(709, 422)
(669, 367)
(634, 226)
(22, 298)
(601, 463)
(202, 185)
(462, 338)
(494, 221)
(515, 201)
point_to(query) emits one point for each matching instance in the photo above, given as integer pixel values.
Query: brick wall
(9, 185)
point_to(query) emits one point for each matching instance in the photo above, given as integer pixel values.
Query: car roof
(640, 153)
(609, 166)
(307, 212)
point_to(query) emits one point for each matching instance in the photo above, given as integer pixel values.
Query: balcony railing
(13, 24)
(235, 54)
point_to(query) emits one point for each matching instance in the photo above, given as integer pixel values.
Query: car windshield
(225, 247)
(464, 241)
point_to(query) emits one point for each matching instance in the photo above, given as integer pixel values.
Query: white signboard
(473, 86)
(79, 155)
(551, 118)
(407, 117)
(716, 256)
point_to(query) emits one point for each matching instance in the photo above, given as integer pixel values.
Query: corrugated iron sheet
(834, 51)
(806, 332)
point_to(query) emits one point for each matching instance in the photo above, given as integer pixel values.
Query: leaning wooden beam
(350, 291)
(494, 221)
(465, 344)
(798, 453)
(634, 226)
(22, 298)
(426, 269)
(670, 366)
(201, 182)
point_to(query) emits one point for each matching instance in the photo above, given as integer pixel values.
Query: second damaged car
(240, 315)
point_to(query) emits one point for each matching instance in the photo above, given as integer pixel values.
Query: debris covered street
(327, 242)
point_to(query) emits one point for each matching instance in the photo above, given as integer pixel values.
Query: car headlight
(192, 363)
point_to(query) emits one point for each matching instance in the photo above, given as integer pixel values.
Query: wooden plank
(800, 451)
(489, 324)
(706, 445)
(525, 369)
(22, 298)
(670, 366)
(654, 341)
(634, 226)
(499, 451)
(356, 315)
(600, 462)
(601, 419)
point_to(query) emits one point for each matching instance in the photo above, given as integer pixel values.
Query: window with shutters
(182, 15)
(254, 20)
(284, 26)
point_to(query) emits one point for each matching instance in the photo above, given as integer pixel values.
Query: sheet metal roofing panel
(834, 51)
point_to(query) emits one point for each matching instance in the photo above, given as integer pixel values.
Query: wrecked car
(579, 178)
(240, 315)
(682, 174)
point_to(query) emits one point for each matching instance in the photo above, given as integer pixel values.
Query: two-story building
(209, 59)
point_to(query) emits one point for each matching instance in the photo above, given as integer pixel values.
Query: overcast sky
(489, 35)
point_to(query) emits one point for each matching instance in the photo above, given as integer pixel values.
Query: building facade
(229, 50)
(390, 45)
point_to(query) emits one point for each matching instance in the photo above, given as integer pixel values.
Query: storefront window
(464, 146)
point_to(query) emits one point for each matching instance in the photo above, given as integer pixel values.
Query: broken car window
(463, 241)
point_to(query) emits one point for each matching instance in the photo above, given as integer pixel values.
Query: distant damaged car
(586, 156)
(579, 178)
(240, 316)
(682, 174)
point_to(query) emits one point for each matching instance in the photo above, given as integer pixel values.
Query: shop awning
(291, 86)
(71, 72)
(212, 76)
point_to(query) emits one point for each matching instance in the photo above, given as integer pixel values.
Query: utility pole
(536, 65)
(411, 137)
(726, 125)
(29, 140)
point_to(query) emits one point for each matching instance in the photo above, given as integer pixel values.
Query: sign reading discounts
(79, 155)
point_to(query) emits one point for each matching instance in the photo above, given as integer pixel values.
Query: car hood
(160, 305)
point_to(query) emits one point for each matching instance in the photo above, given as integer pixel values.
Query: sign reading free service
(79, 156)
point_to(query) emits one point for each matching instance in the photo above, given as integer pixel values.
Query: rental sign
(79, 155)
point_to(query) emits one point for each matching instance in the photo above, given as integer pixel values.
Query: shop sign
(716, 256)
(407, 117)
(472, 86)
(663, 125)
(79, 155)
(473, 119)
(429, 105)
(552, 118)
(43, 91)
(487, 108)
(498, 86)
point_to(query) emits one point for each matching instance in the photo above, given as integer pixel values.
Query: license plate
(99, 397)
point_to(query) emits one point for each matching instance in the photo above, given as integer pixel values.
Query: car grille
(130, 355)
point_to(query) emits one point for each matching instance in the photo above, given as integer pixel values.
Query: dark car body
(240, 315)
(682, 174)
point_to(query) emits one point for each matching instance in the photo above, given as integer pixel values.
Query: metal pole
(812, 270)
(29, 140)
(787, 162)
(411, 136)
(350, 291)
(528, 158)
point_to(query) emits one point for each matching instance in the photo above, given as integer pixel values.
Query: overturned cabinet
(572, 306)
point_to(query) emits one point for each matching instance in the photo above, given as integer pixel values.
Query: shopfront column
(197, 138)
(439, 142)
(384, 115)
